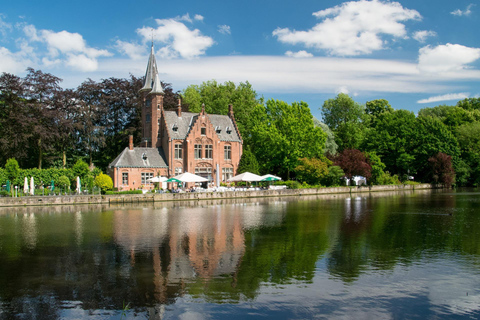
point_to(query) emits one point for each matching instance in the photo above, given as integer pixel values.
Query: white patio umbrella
(157, 179)
(32, 186)
(246, 177)
(187, 177)
(25, 186)
(79, 185)
(270, 177)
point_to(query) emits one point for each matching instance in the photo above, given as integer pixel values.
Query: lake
(380, 256)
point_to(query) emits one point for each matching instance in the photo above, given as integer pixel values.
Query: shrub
(124, 192)
(104, 182)
(291, 184)
(63, 182)
(385, 179)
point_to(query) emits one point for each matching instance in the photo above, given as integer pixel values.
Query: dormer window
(144, 156)
(229, 130)
(218, 129)
(175, 128)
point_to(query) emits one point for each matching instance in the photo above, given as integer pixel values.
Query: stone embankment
(164, 197)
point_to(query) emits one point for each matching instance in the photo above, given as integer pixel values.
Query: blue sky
(415, 54)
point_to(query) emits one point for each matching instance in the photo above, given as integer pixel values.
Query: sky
(415, 54)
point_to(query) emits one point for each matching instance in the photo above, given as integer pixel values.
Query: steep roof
(151, 73)
(140, 158)
(183, 124)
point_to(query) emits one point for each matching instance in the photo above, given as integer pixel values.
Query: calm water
(391, 256)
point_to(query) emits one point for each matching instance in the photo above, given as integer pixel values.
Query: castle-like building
(175, 142)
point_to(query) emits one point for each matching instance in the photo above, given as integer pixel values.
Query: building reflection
(186, 243)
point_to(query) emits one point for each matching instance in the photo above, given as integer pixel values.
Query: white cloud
(224, 29)
(446, 58)
(133, 50)
(198, 17)
(12, 62)
(65, 47)
(299, 54)
(421, 36)
(353, 28)
(465, 12)
(4, 26)
(82, 62)
(446, 97)
(342, 89)
(179, 40)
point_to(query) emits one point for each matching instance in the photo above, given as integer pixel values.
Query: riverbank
(165, 197)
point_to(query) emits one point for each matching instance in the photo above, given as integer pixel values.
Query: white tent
(32, 186)
(187, 177)
(246, 176)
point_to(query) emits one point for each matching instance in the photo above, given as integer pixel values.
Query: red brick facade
(175, 142)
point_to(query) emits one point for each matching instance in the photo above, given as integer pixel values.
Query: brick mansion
(175, 142)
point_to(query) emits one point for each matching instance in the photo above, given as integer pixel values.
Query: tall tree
(284, 133)
(90, 129)
(392, 137)
(344, 116)
(43, 91)
(217, 97)
(14, 133)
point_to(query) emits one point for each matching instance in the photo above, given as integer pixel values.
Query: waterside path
(193, 196)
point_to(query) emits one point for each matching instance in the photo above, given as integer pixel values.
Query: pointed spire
(151, 72)
(157, 86)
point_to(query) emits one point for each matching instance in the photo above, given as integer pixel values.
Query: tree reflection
(99, 258)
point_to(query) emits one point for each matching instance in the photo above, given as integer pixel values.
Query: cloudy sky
(415, 54)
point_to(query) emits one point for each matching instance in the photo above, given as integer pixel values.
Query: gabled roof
(183, 125)
(224, 122)
(140, 158)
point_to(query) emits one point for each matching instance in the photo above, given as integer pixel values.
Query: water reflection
(378, 255)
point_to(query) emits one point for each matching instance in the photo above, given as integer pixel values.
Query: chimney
(230, 111)
(179, 108)
(130, 142)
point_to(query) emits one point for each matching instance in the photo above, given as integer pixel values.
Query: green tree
(12, 170)
(344, 116)
(248, 163)
(284, 133)
(311, 171)
(468, 170)
(469, 104)
(80, 169)
(431, 137)
(377, 167)
(392, 138)
(341, 110)
(333, 177)
(63, 182)
(217, 97)
(104, 182)
(451, 116)
(377, 107)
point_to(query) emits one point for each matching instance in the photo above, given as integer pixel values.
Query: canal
(413, 254)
